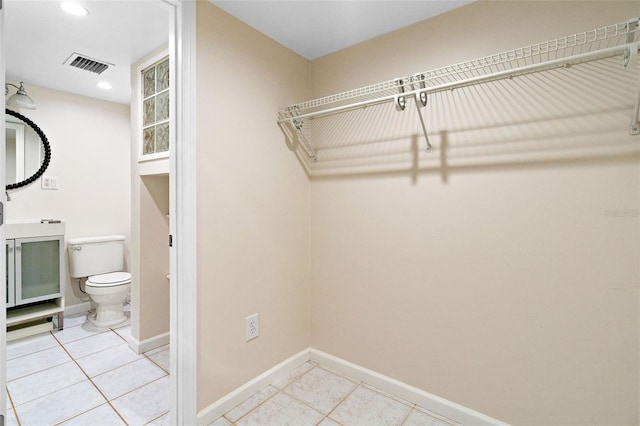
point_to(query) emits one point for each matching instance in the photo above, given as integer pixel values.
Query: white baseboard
(80, 308)
(229, 401)
(409, 393)
(446, 408)
(141, 346)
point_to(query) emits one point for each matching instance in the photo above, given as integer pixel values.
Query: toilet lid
(110, 279)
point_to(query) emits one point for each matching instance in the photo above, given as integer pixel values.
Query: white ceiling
(39, 36)
(314, 28)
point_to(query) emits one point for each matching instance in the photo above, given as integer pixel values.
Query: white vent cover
(83, 62)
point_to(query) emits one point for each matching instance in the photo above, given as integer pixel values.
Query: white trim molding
(451, 410)
(78, 308)
(444, 407)
(142, 346)
(227, 402)
(183, 285)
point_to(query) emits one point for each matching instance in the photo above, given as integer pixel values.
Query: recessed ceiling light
(73, 8)
(104, 85)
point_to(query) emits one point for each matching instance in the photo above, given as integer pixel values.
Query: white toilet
(101, 260)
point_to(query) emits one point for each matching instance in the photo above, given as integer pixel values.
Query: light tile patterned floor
(312, 395)
(84, 376)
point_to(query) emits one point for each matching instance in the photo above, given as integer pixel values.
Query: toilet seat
(111, 279)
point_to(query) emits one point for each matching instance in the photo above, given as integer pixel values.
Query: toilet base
(107, 315)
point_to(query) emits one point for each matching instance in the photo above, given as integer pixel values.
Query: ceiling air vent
(88, 64)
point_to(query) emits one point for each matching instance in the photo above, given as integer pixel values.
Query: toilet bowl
(109, 292)
(101, 260)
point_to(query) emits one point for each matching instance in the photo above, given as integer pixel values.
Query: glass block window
(155, 108)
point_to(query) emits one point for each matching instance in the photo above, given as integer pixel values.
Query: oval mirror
(28, 152)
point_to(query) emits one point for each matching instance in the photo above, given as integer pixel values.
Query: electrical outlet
(252, 326)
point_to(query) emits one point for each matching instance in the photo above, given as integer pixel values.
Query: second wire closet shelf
(617, 40)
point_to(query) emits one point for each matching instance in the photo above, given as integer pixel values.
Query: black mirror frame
(45, 144)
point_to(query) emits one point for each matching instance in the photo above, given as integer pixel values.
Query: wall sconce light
(20, 98)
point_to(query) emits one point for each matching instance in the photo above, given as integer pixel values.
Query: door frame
(182, 216)
(182, 223)
(3, 261)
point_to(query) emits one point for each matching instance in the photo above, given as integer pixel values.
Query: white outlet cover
(252, 327)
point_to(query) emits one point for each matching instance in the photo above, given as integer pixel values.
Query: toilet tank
(95, 255)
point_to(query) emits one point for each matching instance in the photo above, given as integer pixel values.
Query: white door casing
(3, 262)
(182, 217)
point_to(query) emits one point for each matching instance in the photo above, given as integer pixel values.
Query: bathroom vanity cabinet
(35, 277)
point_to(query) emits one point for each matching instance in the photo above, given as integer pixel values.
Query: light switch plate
(49, 182)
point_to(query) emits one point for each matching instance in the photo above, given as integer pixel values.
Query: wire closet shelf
(620, 39)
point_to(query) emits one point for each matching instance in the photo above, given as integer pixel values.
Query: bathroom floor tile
(321, 389)
(124, 331)
(367, 407)
(73, 320)
(221, 421)
(93, 344)
(164, 420)
(44, 382)
(32, 363)
(70, 334)
(11, 418)
(146, 403)
(420, 417)
(250, 403)
(106, 360)
(156, 350)
(130, 376)
(48, 388)
(161, 356)
(397, 398)
(281, 410)
(30, 345)
(293, 375)
(102, 415)
(328, 422)
(60, 406)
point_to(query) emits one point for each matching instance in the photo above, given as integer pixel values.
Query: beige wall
(150, 312)
(153, 302)
(253, 205)
(90, 156)
(505, 287)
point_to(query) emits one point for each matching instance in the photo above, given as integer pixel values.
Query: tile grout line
(94, 385)
(57, 343)
(305, 403)
(38, 371)
(13, 407)
(35, 352)
(279, 390)
(406, 417)
(108, 401)
(254, 408)
(156, 418)
(153, 361)
(41, 371)
(358, 384)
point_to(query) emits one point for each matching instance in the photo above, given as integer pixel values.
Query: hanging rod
(548, 55)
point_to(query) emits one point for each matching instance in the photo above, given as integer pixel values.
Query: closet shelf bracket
(629, 56)
(292, 130)
(419, 95)
(634, 128)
